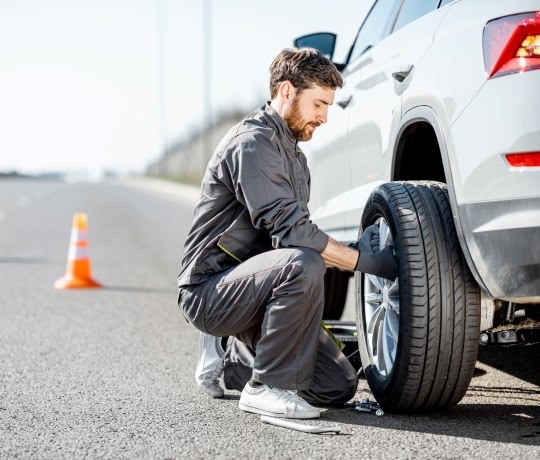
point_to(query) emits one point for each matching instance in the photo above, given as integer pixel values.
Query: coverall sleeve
(256, 171)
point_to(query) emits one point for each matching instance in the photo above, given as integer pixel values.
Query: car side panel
(330, 173)
(495, 206)
(375, 110)
(451, 90)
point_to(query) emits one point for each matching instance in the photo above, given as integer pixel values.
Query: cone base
(69, 281)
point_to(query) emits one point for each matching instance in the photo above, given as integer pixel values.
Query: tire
(336, 283)
(418, 336)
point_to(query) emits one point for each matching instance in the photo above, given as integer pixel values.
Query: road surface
(108, 373)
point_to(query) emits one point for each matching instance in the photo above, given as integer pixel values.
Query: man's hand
(371, 260)
(369, 241)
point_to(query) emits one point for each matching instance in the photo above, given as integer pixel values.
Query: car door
(377, 75)
(328, 160)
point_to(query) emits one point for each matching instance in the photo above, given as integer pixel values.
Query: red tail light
(518, 160)
(512, 44)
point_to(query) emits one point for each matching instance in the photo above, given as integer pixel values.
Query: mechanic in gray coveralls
(254, 263)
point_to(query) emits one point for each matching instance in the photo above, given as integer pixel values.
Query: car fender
(426, 114)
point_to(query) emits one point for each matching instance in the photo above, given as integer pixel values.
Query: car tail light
(512, 44)
(518, 160)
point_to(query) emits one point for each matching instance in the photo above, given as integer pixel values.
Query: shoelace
(287, 395)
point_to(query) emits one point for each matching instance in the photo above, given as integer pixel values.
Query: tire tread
(439, 301)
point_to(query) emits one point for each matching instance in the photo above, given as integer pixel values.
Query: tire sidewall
(385, 389)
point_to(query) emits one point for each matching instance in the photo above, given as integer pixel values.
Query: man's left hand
(369, 241)
(379, 263)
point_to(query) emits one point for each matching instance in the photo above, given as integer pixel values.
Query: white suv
(436, 135)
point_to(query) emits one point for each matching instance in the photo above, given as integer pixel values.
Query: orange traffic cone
(78, 271)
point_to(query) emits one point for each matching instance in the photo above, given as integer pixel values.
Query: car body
(444, 91)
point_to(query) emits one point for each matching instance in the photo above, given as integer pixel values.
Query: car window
(375, 27)
(413, 9)
(446, 2)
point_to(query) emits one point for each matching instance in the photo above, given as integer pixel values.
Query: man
(254, 263)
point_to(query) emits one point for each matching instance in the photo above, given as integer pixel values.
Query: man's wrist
(357, 260)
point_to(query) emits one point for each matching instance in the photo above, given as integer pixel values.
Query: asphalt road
(108, 373)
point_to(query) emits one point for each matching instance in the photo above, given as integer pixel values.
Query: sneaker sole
(302, 415)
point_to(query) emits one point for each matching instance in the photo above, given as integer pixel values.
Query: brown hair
(303, 68)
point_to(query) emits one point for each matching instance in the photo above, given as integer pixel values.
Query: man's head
(302, 87)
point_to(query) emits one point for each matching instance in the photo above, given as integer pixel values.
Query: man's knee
(310, 262)
(348, 387)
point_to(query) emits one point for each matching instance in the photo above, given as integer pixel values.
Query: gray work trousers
(273, 303)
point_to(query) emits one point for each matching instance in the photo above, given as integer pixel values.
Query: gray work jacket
(254, 198)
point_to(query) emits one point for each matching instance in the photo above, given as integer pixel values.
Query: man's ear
(287, 91)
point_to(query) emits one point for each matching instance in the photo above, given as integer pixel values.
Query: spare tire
(417, 335)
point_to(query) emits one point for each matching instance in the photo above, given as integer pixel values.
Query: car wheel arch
(426, 116)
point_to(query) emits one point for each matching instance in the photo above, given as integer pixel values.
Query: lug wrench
(299, 426)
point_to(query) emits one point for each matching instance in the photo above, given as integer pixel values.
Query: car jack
(368, 406)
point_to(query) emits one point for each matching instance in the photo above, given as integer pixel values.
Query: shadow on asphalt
(140, 289)
(514, 420)
(23, 260)
(519, 361)
(517, 424)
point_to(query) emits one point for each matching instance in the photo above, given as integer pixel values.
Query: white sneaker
(210, 365)
(210, 384)
(272, 401)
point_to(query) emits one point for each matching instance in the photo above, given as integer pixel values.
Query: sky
(95, 85)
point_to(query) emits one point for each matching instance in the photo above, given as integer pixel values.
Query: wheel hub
(381, 313)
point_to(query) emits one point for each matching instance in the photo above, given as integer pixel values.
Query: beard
(301, 129)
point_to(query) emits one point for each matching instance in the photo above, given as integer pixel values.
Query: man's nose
(323, 116)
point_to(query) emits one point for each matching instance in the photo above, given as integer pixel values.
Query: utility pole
(207, 84)
(162, 83)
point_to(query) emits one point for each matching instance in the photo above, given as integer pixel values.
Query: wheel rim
(381, 312)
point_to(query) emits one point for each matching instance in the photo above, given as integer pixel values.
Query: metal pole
(207, 84)
(162, 85)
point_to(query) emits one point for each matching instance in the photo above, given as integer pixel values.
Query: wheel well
(418, 155)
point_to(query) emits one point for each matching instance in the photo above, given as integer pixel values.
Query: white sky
(102, 84)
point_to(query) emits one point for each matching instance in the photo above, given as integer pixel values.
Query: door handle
(345, 101)
(403, 73)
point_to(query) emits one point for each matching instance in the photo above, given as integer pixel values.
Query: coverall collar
(281, 127)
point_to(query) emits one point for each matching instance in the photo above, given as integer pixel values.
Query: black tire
(336, 283)
(439, 303)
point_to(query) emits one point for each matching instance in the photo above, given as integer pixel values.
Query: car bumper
(503, 239)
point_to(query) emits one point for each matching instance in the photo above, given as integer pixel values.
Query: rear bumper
(503, 239)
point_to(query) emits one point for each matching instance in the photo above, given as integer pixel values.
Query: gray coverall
(252, 267)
